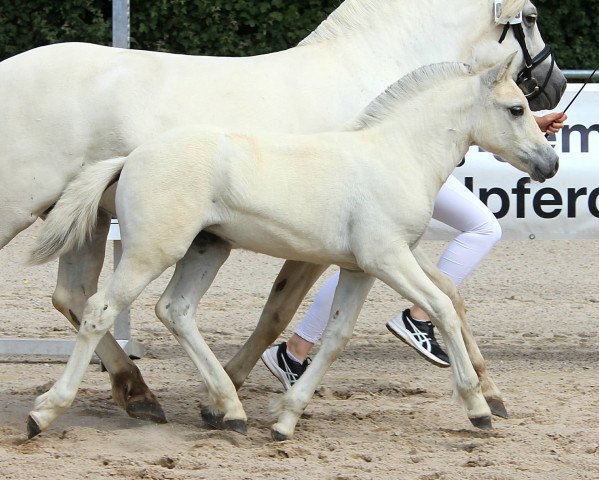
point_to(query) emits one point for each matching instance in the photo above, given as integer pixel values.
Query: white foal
(78, 104)
(360, 198)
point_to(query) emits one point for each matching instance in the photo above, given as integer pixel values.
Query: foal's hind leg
(132, 275)
(176, 308)
(291, 286)
(490, 391)
(78, 273)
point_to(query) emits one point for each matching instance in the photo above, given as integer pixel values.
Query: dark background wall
(244, 27)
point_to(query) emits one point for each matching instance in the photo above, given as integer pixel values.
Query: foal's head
(506, 126)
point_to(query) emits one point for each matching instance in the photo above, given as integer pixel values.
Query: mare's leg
(176, 308)
(78, 273)
(291, 286)
(352, 289)
(490, 391)
(398, 268)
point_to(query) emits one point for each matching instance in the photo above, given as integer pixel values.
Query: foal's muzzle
(545, 164)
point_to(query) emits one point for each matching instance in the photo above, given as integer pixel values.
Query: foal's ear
(501, 71)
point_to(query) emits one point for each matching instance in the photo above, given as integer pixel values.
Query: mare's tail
(73, 219)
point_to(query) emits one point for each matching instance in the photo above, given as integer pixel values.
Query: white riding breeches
(455, 206)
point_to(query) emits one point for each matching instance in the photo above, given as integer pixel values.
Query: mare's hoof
(33, 428)
(278, 436)
(213, 420)
(144, 410)
(497, 407)
(484, 423)
(239, 426)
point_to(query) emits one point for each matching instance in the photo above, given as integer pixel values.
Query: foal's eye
(517, 111)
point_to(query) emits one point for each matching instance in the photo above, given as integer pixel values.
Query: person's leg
(288, 360)
(459, 208)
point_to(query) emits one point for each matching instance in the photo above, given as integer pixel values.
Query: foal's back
(273, 193)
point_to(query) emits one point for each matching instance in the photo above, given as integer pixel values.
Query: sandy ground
(381, 412)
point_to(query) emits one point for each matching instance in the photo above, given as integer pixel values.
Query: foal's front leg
(78, 273)
(291, 286)
(398, 268)
(490, 391)
(352, 289)
(176, 308)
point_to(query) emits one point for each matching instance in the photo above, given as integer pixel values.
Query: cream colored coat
(360, 198)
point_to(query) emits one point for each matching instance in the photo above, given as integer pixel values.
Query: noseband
(525, 80)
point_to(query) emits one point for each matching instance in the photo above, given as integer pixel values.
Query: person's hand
(552, 122)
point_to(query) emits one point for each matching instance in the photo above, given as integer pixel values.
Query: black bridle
(527, 83)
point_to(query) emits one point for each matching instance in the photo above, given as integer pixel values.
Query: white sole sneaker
(269, 358)
(397, 328)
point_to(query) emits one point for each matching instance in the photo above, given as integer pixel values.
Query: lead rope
(578, 93)
(581, 88)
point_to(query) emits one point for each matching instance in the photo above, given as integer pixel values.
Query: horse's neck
(432, 130)
(399, 36)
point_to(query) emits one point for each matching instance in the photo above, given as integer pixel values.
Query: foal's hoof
(497, 407)
(217, 421)
(33, 428)
(484, 423)
(278, 436)
(213, 420)
(144, 410)
(239, 426)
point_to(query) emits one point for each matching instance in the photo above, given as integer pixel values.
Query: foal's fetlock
(478, 411)
(288, 410)
(285, 427)
(46, 409)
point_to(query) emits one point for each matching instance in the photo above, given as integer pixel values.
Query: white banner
(564, 207)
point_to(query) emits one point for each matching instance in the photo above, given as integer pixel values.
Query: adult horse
(378, 180)
(68, 105)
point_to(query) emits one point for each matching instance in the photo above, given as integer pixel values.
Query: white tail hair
(73, 219)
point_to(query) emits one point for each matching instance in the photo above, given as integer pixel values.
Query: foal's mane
(407, 87)
(357, 14)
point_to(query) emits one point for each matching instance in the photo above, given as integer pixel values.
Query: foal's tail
(73, 219)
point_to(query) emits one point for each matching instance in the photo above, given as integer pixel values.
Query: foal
(322, 198)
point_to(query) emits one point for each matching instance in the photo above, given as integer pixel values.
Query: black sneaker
(420, 336)
(288, 371)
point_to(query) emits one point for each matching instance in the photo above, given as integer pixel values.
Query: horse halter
(527, 83)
